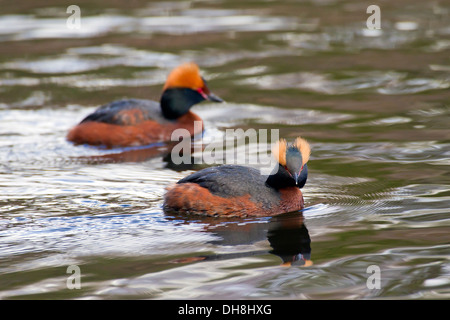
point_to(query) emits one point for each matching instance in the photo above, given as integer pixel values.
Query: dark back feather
(235, 181)
(127, 112)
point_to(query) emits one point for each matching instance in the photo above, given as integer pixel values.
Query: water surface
(374, 106)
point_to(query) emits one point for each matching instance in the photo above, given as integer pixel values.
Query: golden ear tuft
(303, 146)
(186, 75)
(279, 151)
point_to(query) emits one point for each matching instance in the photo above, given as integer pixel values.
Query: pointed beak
(213, 97)
(207, 95)
(296, 175)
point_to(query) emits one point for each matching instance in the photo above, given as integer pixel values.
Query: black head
(183, 89)
(292, 168)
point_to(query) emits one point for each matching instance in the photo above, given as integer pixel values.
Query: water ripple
(382, 82)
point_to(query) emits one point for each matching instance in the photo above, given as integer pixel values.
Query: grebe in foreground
(136, 122)
(239, 191)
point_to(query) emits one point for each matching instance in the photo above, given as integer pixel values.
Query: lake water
(374, 105)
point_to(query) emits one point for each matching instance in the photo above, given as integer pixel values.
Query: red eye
(201, 91)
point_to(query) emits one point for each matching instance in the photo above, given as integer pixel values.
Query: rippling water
(373, 104)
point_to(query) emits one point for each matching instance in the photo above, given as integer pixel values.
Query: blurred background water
(374, 105)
